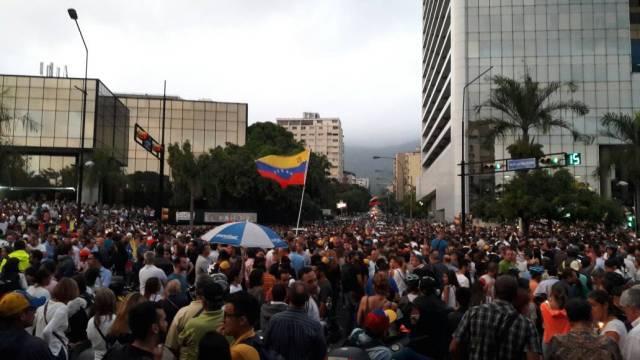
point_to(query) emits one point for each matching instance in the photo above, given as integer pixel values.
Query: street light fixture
(463, 179)
(74, 16)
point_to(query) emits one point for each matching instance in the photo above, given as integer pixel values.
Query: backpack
(264, 352)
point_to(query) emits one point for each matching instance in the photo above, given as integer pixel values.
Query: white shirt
(312, 310)
(398, 277)
(617, 327)
(463, 280)
(97, 341)
(50, 326)
(149, 271)
(630, 347)
(38, 291)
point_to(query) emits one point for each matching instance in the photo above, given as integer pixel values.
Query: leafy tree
(187, 170)
(625, 129)
(526, 106)
(541, 195)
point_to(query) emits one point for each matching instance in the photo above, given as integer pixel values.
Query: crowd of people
(112, 283)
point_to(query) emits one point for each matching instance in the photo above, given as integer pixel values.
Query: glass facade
(55, 107)
(585, 42)
(206, 124)
(46, 122)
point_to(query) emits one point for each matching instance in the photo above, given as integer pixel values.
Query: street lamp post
(463, 179)
(74, 16)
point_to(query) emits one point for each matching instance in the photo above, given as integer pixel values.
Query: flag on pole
(374, 201)
(286, 170)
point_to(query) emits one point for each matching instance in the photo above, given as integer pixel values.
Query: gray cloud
(356, 59)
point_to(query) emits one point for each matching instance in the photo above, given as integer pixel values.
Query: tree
(554, 197)
(187, 171)
(526, 106)
(625, 129)
(105, 173)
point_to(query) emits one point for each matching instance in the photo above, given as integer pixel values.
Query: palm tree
(526, 106)
(625, 129)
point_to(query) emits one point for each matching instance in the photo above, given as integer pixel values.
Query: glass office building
(205, 124)
(44, 122)
(590, 43)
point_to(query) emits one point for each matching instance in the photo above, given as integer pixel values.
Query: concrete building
(351, 178)
(591, 43)
(406, 173)
(322, 135)
(205, 123)
(44, 125)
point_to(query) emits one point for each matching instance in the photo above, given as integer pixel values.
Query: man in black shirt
(148, 325)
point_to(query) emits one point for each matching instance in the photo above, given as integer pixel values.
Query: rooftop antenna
(58, 71)
(66, 73)
(41, 68)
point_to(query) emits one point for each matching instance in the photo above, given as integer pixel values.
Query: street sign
(521, 164)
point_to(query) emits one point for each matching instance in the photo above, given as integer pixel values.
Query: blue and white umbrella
(244, 234)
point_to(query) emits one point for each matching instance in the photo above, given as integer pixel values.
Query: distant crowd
(113, 283)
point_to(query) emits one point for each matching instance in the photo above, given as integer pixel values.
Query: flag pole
(304, 187)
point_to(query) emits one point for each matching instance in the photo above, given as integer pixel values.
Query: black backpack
(264, 352)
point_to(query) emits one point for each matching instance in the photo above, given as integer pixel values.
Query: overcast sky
(355, 59)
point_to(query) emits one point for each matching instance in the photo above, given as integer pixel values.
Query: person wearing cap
(17, 312)
(371, 336)
(19, 252)
(211, 318)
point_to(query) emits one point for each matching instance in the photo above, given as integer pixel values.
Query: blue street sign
(521, 164)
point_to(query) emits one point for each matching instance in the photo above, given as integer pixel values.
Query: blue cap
(34, 302)
(536, 270)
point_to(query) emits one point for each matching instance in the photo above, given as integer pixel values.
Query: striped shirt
(295, 336)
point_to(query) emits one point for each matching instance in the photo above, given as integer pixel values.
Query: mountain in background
(359, 160)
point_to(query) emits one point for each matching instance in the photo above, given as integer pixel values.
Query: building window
(635, 55)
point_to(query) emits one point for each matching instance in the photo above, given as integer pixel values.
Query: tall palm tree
(526, 106)
(624, 128)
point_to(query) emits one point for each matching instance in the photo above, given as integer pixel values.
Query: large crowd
(113, 283)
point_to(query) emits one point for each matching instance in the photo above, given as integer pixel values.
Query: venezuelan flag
(286, 170)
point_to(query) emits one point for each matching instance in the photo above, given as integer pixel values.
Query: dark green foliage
(227, 180)
(540, 195)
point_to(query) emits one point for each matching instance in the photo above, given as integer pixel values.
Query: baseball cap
(85, 252)
(17, 301)
(224, 265)
(536, 270)
(376, 322)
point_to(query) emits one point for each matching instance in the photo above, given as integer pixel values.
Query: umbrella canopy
(244, 234)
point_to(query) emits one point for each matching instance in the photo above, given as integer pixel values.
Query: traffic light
(572, 159)
(550, 160)
(491, 167)
(631, 221)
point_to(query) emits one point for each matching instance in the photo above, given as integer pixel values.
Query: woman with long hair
(104, 308)
(119, 330)
(52, 319)
(379, 300)
(602, 312)
(450, 284)
(152, 289)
